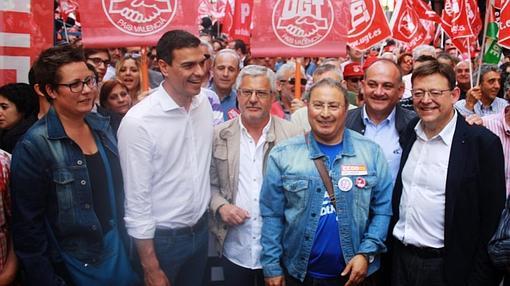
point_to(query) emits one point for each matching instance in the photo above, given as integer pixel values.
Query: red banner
(26, 29)
(424, 11)
(242, 20)
(228, 20)
(461, 27)
(368, 25)
(474, 17)
(114, 23)
(504, 30)
(456, 24)
(299, 28)
(406, 25)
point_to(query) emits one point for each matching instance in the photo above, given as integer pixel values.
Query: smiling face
(462, 73)
(9, 115)
(490, 84)
(68, 102)
(129, 74)
(435, 113)
(119, 100)
(326, 113)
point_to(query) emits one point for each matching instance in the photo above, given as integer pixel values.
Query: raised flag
(474, 17)
(228, 20)
(67, 7)
(123, 23)
(424, 11)
(299, 28)
(241, 26)
(492, 52)
(406, 26)
(368, 25)
(504, 31)
(455, 23)
(461, 26)
(26, 29)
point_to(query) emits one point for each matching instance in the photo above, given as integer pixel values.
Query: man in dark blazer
(381, 119)
(449, 191)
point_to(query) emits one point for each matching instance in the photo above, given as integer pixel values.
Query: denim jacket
(50, 186)
(292, 196)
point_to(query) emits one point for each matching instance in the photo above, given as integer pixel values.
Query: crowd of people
(392, 168)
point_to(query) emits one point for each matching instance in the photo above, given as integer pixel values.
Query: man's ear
(163, 66)
(455, 94)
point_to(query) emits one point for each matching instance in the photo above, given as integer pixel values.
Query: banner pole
(297, 90)
(144, 80)
(470, 63)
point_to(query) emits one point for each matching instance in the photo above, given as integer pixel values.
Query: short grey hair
(229, 52)
(255, 71)
(324, 68)
(486, 68)
(329, 82)
(285, 68)
(209, 48)
(424, 50)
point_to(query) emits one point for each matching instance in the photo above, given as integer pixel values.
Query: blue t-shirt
(326, 257)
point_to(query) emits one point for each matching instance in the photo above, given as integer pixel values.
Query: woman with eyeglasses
(128, 72)
(66, 184)
(18, 111)
(100, 59)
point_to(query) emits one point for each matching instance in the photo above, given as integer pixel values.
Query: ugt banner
(124, 23)
(406, 25)
(26, 29)
(299, 28)
(368, 24)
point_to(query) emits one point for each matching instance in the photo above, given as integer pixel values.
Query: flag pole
(144, 70)
(488, 9)
(470, 62)
(297, 89)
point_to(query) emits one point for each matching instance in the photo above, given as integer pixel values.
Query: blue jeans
(182, 253)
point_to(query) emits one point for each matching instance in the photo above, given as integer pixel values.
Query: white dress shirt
(422, 205)
(242, 244)
(165, 155)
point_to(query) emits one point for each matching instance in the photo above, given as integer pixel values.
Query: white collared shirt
(165, 155)
(242, 244)
(422, 205)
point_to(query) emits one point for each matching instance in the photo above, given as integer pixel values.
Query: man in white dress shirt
(240, 149)
(165, 149)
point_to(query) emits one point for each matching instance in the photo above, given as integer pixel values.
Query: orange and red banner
(242, 20)
(504, 28)
(406, 26)
(368, 25)
(299, 28)
(26, 29)
(114, 23)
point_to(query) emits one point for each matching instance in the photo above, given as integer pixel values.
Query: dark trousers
(413, 266)
(235, 275)
(182, 253)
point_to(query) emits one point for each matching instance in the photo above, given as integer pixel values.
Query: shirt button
(83, 182)
(93, 227)
(87, 206)
(313, 214)
(79, 162)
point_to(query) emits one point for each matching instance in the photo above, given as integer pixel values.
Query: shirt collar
(390, 119)
(168, 103)
(446, 135)
(265, 130)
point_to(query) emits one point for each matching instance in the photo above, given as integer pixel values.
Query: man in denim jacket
(307, 240)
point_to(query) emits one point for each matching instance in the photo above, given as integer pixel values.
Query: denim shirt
(50, 185)
(292, 196)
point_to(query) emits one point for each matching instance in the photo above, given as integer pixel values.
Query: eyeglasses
(292, 81)
(77, 86)
(98, 61)
(434, 93)
(261, 94)
(133, 55)
(354, 79)
(332, 106)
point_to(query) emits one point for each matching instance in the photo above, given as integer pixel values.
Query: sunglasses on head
(292, 81)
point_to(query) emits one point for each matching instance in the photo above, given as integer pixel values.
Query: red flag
(134, 23)
(242, 20)
(461, 27)
(27, 29)
(456, 24)
(228, 20)
(474, 17)
(430, 27)
(504, 30)
(299, 28)
(67, 7)
(406, 25)
(424, 11)
(368, 25)
(498, 4)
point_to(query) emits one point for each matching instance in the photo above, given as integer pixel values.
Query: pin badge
(360, 182)
(345, 184)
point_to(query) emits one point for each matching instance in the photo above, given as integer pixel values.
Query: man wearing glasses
(325, 200)
(449, 192)
(100, 59)
(286, 85)
(240, 150)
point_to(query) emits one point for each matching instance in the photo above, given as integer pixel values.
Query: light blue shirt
(228, 104)
(495, 107)
(385, 134)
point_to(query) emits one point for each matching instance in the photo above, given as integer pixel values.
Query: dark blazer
(475, 197)
(354, 120)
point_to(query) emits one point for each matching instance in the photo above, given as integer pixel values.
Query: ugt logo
(302, 23)
(139, 17)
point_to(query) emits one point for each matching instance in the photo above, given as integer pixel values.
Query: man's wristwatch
(369, 257)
